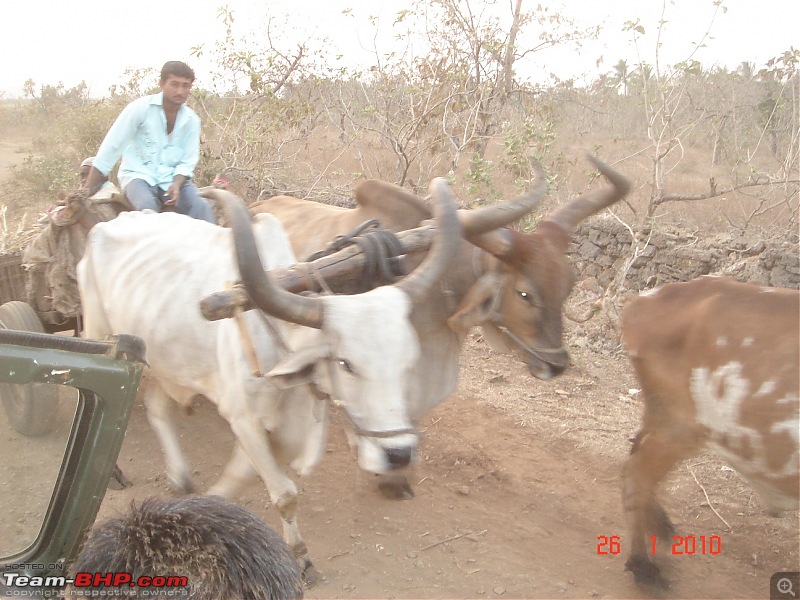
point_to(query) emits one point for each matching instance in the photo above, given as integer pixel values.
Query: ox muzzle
(542, 362)
(382, 451)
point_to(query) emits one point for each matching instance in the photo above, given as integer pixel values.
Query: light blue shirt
(139, 136)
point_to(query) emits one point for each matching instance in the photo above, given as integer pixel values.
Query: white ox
(145, 273)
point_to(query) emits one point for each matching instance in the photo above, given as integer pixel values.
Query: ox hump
(395, 207)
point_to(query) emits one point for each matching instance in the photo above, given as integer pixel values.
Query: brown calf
(717, 361)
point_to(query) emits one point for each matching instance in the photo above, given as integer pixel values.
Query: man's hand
(81, 193)
(93, 182)
(173, 193)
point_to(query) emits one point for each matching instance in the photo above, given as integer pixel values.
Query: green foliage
(136, 83)
(782, 68)
(70, 126)
(518, 143)
(264, 96)
(48, 174)
(634, 27)
(443, 103)
(480, 180)
(276, 119)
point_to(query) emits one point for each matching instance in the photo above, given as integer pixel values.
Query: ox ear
(478, 303)
(298, 366)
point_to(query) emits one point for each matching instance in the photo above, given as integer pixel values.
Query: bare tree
(256, 115)
(444, 98)
(685, 103)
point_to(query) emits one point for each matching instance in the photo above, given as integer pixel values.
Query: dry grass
(15, 234)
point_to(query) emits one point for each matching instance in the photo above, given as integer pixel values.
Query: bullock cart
(38, 293)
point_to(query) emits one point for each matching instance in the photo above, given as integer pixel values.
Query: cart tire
(32, 409)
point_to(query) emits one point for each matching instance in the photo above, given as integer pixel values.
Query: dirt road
(519, 480)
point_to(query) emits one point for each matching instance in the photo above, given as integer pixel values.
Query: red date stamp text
(683, 545)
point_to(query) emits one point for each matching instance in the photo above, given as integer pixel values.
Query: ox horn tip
(439, 185)
(617, 179)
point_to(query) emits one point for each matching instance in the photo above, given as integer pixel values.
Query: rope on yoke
(343, 240)
(382, 251)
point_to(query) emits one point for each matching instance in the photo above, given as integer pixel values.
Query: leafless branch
(708, 500)
(714, 193)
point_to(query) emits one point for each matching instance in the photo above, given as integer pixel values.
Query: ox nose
(546, 369)
(398, 457)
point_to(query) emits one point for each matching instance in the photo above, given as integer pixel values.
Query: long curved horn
(485, 219)
(498, 242)
(444, 247)
(267, 296)
(573, 212)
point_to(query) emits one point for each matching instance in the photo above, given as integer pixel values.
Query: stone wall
(601, 248)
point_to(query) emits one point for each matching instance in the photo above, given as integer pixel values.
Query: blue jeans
(142, 195)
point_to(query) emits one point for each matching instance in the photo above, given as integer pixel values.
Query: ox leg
(282, 490)
(159, 414)
(653, 455)
(237, 474)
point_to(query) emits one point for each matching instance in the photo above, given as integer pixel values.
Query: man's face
(176, 89)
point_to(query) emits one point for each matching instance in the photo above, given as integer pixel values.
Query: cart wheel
(31, 408)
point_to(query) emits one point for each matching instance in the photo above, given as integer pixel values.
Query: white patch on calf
(722, 341)
(766, 388)
(718, 398)
(720, 412)
(792, 427)
(747, 342)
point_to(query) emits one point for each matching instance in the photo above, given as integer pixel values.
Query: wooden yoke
(301, 277)
(331, 270)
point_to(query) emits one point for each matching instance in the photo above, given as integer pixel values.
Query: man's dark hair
(222, 549)
(177, 69)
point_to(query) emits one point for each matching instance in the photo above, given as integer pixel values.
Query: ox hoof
(309, 572)
(396, 488)
(645, 573)
(118, 480)
(184, 485)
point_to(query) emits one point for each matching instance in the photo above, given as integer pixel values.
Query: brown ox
(514, 288)
(717, 361)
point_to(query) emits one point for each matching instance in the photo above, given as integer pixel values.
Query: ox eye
(344, 365)
(527, 298)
